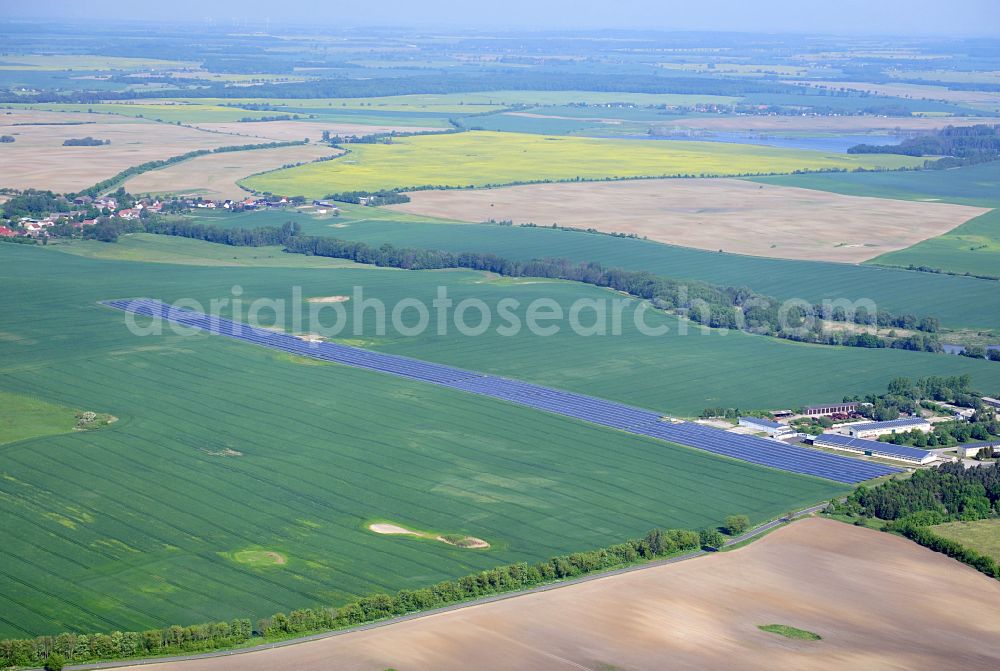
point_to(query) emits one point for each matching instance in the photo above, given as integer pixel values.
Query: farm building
(830, 409)
(992, 402)
(866, 430)
(973, 449)
(873, 448)
(773, 429)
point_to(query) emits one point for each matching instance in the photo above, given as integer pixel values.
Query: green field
(968, 185)
(23, 417)
(225, 451)
(481, 158)
(957, 301)
(973, 247)
(183, 251)
(982, 535)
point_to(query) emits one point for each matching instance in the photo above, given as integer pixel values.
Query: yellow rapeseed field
(482, 158)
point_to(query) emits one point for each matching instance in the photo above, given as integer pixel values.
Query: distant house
(992, 402)
(7, 232)
(831, 409)
(773, 429)
(865, 430)
(873, 448)
(130, 213)
(82, 200)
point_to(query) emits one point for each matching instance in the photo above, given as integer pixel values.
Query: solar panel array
(872, 445)
(620, 416)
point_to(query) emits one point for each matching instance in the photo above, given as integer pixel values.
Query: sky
(896, 17)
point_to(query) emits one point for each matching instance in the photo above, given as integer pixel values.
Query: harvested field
(877, 601)
(822, 124)
(297, 130)
(215, 176)
(38, 159)
(729, 214)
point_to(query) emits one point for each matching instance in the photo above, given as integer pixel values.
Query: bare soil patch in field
(878, 601)
(458, 540)
(38, 159)
(331, 299)
(728, 214)
(299, 130)
(821, 124)
(215, 176)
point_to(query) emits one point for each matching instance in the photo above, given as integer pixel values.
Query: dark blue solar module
(872, 446)
(791, 458)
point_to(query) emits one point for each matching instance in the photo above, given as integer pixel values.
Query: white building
(865, 430)
(772, 429)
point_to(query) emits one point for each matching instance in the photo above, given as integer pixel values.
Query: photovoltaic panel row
(620, 416)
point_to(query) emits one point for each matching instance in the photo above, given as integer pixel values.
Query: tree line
(76, 648)
(737, 308)
(134, 170)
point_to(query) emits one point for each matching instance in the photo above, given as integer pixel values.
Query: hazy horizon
(965, 18)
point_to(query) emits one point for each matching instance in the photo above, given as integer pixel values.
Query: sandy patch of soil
(878, 601)
(329, 299)
(227, 452)
(465, 542)
(391, 529)
(215, 176)
(38, 159)
(729, 214)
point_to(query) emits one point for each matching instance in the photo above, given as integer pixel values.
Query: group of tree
(950, 490)
(374, 198)
(6, 138)
(84, 142)
(720, 412)
(34, 203)
(982, 426)
(980, 352)
(76, 648)
(904, 395)
(959, 145)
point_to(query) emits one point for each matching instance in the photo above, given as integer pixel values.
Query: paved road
(753, 533)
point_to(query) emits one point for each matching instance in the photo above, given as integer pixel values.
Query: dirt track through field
(877, 600)
(728, 214)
